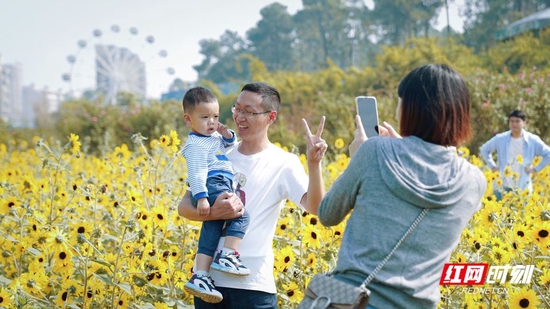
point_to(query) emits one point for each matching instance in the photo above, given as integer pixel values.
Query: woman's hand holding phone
(359, 138)
(385, 130)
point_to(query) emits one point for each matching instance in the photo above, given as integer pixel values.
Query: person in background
(268, 176)
(516, 150)
(390, 179)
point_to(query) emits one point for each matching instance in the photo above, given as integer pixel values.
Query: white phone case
(367, 109)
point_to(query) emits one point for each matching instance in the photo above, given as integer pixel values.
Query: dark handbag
(326, 292)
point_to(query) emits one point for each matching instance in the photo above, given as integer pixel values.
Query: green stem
(115, 283)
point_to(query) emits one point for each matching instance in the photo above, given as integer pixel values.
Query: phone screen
(366, 108)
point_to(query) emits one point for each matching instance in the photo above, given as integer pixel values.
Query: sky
(41, 34)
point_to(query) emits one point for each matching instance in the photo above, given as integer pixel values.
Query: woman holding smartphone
(390, 180)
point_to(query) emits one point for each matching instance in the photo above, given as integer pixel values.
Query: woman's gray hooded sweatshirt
(387, 184)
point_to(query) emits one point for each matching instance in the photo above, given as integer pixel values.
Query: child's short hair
(195, 96)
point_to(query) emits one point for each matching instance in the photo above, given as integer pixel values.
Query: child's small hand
(224, 131)
(203, 207)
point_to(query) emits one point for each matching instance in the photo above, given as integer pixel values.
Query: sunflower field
(82, 231)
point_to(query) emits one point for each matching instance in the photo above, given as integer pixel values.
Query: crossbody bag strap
(407, 233)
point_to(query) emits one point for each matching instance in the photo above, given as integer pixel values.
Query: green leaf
(125, 286)
(4, 280)
(105, 279)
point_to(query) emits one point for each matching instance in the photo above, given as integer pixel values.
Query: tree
(221, 57)
(400, 20)
(331, 29)
(271, 39)
(484, 17)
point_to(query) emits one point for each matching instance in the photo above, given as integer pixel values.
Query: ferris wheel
(112, 62)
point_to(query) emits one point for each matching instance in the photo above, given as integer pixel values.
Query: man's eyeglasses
(236, 111)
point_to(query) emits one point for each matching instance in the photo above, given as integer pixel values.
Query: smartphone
(367, 109)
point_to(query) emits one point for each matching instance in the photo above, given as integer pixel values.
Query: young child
(210, 174)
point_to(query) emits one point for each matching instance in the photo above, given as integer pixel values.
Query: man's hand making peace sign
(316, 148)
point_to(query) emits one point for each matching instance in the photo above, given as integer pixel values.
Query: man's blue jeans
(240, 299)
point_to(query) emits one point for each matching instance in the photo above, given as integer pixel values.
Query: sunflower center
(524, 303)
(313, 235)
(521, 234)
(287, 259)
(81, 229)
(160, 216)
(477, 245)
(30, 283)
(543, 233)
(64, 296)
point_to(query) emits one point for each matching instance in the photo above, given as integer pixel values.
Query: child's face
(203, 119)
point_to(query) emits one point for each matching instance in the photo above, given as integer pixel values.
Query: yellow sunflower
(63, 263)
(507, 171)
(292, 290)
(174, 137)
(56, 239)
(6, 298)
(284, 258)
(536, 161)
(540, 233)
(160, 217)
(311, 260)
(463, 152)
(284, 226)
(544, 279)
(82, 228)
(75, 144)
(520, 159)
(311, 237)
(8, 204)
(499, 256)
(459, 258)
(523, 299)
(164, 140)
(339, 143)
(64, 299)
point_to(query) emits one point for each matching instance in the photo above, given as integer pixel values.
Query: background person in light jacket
(390, 180)
(515, 172)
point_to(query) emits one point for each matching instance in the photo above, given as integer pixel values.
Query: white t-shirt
(267, 180)
(515, 149)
